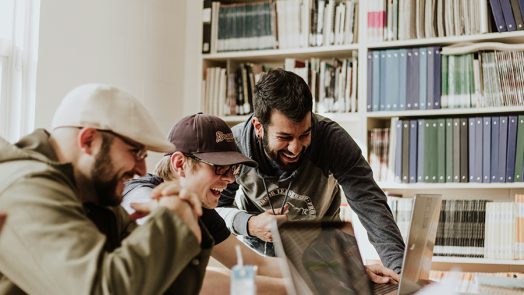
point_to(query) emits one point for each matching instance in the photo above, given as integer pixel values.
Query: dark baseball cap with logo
(209, 138)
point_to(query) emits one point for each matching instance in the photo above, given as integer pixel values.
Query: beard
(274, 156)
(103, 180)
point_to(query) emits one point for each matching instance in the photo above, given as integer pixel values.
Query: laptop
(322, 257)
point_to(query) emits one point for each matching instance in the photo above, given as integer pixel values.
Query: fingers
(381, 274)
(193, 201)
(376, 278)
(278, 211)
(166, 189)
(142, 209)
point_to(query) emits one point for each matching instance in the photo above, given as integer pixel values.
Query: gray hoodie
(332, 159)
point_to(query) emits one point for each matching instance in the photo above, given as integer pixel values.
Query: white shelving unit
(358, 123)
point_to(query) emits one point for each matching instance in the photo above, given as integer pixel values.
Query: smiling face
(114, 164)
(285, 142)
(201, 179)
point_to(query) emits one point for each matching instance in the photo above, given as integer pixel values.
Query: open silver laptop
(322, 257)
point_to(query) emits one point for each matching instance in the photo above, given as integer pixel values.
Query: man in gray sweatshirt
(303, 158)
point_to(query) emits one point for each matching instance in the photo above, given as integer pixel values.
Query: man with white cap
(67, 234)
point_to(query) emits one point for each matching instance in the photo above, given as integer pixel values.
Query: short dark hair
(282, 91)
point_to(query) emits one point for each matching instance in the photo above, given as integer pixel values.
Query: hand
(258, 225)
(185, 211)
(381, 275)
(142, 209)
(173, 188)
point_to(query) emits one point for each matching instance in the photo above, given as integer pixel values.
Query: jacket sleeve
(365, 197)
(236, 219)
(48, 246)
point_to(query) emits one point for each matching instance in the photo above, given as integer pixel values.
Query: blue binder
(508, 15)
(383, 86)
(431, 78)
(503, 142)
(495, 130)
(486, 150)
(479, 131)
(423, 78)
(376, 81)
(512, 145)
(498, 16)
(413, 151)
(420, 151)
(394, 78)
(398, 153)
(389, 94)
(471, 149)
(412, 77)
(402, 76)
(369, 106)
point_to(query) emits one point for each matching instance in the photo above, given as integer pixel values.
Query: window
(19, 20)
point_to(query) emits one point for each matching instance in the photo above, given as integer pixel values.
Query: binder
(206, 27)
(471, 149)
(391, 80)
(495, 130)
(369, 104)
(376, 81)
(402, 76)
(441, 150)
(479, 131)
(423, 78)
(521, 6)
(413, 151)
(438, 76)
(519, 151)
(412, 77)
(449, 149)
(431, 77)
(456, 150)
(398, 152)
(383, 75)
(430, 151)
(497, 15)
(394, 78)
(405, 151)
(519, 22)
(512, 145)
(464, 150)
(486, 150)
(420, 151)
(508, 15)
(503, 142)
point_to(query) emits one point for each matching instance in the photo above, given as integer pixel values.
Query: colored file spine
(369, 105)
(495, 130)
(402, 76)
(486, 150)
(398, 152)
(471, 149)
(498, 16)
(405, 151)
(456, 150)
(441, 150)
(519, 152)
(463, 150)
(478, 148)
(512, 145)
(423, 80)
(420, 151)
(376, 81)
(413, 151)
(449, 150)
(503, 142)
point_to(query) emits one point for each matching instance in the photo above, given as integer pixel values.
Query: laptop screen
(326, 256)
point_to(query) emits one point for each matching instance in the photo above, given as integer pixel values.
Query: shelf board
(476, 260)
(506, 37)
(443, 112)
(339, 117)
(272, 55)
(468, 185)
(233, 119)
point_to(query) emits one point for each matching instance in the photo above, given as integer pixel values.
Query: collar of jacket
(255, 151)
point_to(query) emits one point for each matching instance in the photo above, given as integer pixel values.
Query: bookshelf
(358, 123)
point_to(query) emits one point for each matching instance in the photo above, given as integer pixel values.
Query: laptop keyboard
(380, 289)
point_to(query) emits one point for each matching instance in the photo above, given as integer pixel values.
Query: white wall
(138, 45)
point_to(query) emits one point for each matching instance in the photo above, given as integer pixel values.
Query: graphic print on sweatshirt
(300, 207)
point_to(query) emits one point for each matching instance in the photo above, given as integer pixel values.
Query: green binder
(449, 149)
(430, 151)
(519, 156)
(441, 150)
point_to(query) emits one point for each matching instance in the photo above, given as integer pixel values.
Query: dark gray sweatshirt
(332, 159)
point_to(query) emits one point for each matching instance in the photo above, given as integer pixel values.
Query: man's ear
(88, 138)
(258, 127)
(178, 163)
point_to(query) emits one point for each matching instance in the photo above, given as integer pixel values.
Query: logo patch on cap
(227, 137)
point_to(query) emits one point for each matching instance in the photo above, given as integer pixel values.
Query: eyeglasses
(219, 170)
(139, 151)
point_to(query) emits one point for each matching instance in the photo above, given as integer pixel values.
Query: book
(376, 81)
(383, 80)
(430, 151)
(441, 150)
(519, 227)
(398, 151)
(369, 105)
(423, 78)
(471, 149)
(464, 174)
(479, 131)
(412, 77)
(512, 145)
(393, 78)
(206, 27)
(519, 151)
(405, 151)
(486, 150)
(495, 131)
(420, 150)
(402, 78)
(449, 150)
(413, 151)
(503, 142)
(456, 150)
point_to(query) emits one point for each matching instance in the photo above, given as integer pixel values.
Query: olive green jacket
(50, 246)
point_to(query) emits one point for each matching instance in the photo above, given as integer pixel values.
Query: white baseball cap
(106, 107)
